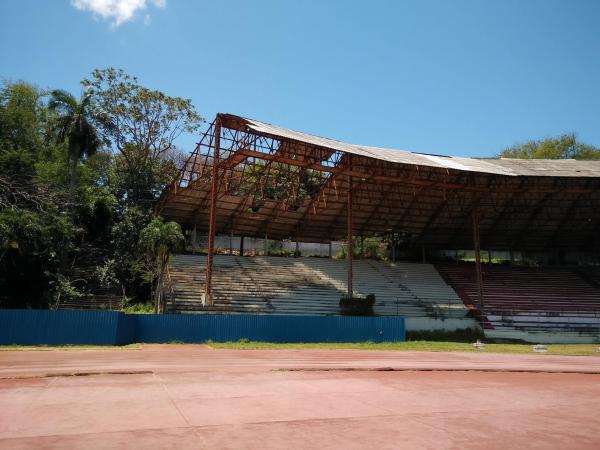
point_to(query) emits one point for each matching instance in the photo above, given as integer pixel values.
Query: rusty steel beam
(212, 221)
(477, 245)
(380, 194)
(409, 181)
(350, 224)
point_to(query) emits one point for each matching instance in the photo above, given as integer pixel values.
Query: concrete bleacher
(555, 304)
(309, 286)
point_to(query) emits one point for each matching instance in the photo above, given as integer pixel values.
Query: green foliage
(23, 118)
(142, 245)
(61, 239)
(62, 288)
(139, 308)
(73, 122)
(561, 147)
(141, 125)
(34, 246)
(276, 181)
(373, 247)
(128, 265)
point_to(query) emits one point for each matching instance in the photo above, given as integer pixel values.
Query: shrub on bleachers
(357, 306)
(460, 335)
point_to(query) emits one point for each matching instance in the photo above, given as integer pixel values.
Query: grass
(422, 346)
(69, 347)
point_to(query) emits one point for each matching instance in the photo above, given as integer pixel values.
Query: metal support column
(212, 221)
(266, 244)
(297, 250)
(193, 239)
(350, 254)
(477, 242)
(330, 250)
(242, 245)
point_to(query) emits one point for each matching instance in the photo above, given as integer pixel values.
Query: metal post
(242, 245)
(362, 246)
(212, 221)
(297, 251)
(476, 239)
(330, 250)
(231, 243)
(393, 248)
(193, 239)
(350, 254)
(423, 252)
(266, 244)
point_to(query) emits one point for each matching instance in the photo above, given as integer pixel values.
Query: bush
(139, 308)
(459, 335)
(357, 306)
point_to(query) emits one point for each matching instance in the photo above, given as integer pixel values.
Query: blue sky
(460, 77)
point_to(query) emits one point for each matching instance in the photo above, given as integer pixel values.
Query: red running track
(197, 397)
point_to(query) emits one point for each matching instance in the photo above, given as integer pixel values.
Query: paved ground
(197, 397)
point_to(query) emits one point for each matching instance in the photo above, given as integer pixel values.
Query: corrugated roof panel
(498, 166)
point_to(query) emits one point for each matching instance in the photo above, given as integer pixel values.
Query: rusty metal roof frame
(521, 204)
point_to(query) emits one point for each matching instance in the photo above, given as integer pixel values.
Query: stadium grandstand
(251, 180)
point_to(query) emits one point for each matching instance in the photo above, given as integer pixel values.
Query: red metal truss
(292, 185)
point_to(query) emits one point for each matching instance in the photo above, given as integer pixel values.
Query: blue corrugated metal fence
(112, 327)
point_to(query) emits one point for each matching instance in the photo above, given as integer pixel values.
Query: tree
(562, 147)
(35, 237)
(53, 249)
(141, 247)
(22, 126)
(142, 126)
(75, 124)
(158, 240)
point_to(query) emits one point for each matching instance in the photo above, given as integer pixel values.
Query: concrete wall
(258, 245)
(537, 337)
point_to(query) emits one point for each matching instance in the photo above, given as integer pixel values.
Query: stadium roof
(498, 166)
(289, 184)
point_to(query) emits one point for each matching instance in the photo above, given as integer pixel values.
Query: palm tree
(75, 124)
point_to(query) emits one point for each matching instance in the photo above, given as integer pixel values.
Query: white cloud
(118, 11)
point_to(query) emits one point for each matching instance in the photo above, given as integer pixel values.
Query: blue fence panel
(29, 327)
(126, 326)
(267, 328)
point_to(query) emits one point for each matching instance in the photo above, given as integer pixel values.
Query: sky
(460, 77)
